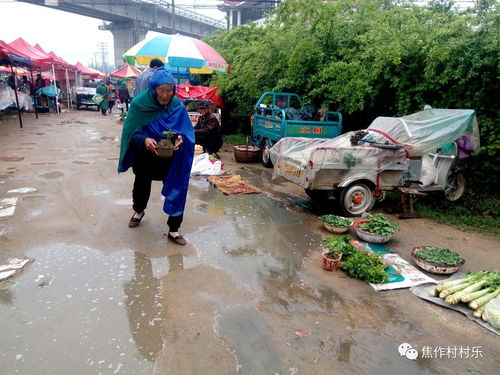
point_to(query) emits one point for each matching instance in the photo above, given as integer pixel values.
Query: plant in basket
(355, 263)
(335, 224)
(335, 247)
(375, 228)
(165, 148)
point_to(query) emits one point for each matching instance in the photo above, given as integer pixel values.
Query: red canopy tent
(12, 57)
(188, 91)
(86, 72)
(38, 58)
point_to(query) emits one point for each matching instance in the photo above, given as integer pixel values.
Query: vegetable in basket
(378, 224)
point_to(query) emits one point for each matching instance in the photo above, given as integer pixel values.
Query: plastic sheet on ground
(8, 99)
(8, 206)
(401, 274)
(13, 267)
(423, 290)
(232, 185)
(203, 166)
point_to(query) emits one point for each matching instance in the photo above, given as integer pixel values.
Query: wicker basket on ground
(246, 154)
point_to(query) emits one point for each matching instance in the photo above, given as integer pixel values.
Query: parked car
(82, 96)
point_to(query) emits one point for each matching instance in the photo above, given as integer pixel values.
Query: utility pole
(102, 48)
(173, 17)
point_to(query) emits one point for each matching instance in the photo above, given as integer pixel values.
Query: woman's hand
(150, 145)
(178, 142)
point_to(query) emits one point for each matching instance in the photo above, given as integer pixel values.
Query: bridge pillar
(125, 35)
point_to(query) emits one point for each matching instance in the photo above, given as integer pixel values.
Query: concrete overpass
(130, 20)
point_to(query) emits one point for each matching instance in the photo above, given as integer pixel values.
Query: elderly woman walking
(151, 113)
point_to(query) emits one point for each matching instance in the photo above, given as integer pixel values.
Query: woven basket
(246, 154)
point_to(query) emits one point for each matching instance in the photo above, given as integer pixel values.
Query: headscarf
(150, 118)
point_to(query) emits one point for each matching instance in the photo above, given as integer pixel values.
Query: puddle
(52, 175)
(80, 162)
(4, 176)
(11, 158)
(107, 309)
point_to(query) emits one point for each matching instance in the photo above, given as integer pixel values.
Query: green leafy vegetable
(438, 255)
(378, 224)
(365, 266)
(355, 263)
(334, 220)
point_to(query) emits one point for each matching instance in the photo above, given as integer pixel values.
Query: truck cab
(279, 114)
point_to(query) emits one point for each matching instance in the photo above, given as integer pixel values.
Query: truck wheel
(356, 199)
(455, 186)
(319, 195)
(266, 154)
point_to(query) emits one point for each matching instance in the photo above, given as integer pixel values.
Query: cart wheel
(356, 199)
(319, 195)
(455, 186)
(266, 154)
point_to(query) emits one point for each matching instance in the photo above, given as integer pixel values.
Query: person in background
(40, 83)
(151, 114)
(11, 81)
(464, 151)
(25, 86)
(124, 95)
(207, 130)
(103, 90)
(142, 81)
(112, 96)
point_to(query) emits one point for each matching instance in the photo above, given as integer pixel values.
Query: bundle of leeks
(477, 289)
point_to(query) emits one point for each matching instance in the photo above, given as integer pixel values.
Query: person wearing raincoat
(153, 112)
(103, 90)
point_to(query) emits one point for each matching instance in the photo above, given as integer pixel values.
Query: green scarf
(143, 109)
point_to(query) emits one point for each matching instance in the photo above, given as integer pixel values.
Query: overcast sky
(70, 36)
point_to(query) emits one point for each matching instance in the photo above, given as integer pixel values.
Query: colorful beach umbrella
(178, 52)
(126, 71)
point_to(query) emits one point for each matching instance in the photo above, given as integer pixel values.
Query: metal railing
(221, 24)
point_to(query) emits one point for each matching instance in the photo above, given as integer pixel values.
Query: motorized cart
(418, 151)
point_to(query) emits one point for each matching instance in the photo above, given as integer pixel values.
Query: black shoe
(135, 221)
(179, 240)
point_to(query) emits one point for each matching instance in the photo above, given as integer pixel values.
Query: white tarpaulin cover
(299, 159)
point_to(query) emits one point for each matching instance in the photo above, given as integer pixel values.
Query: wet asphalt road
(246, 294)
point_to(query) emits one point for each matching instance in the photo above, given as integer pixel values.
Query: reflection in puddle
(91, 297)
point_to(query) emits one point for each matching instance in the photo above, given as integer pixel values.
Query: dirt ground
(246, 295)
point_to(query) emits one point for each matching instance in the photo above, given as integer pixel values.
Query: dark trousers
(148, 168)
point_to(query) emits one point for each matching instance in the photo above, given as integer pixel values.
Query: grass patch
(236, 139)
(470, 212)
(479, 215)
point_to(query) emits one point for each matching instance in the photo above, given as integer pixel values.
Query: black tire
(455, 186)
(265, 154)
(356, 199)
(319, 195)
